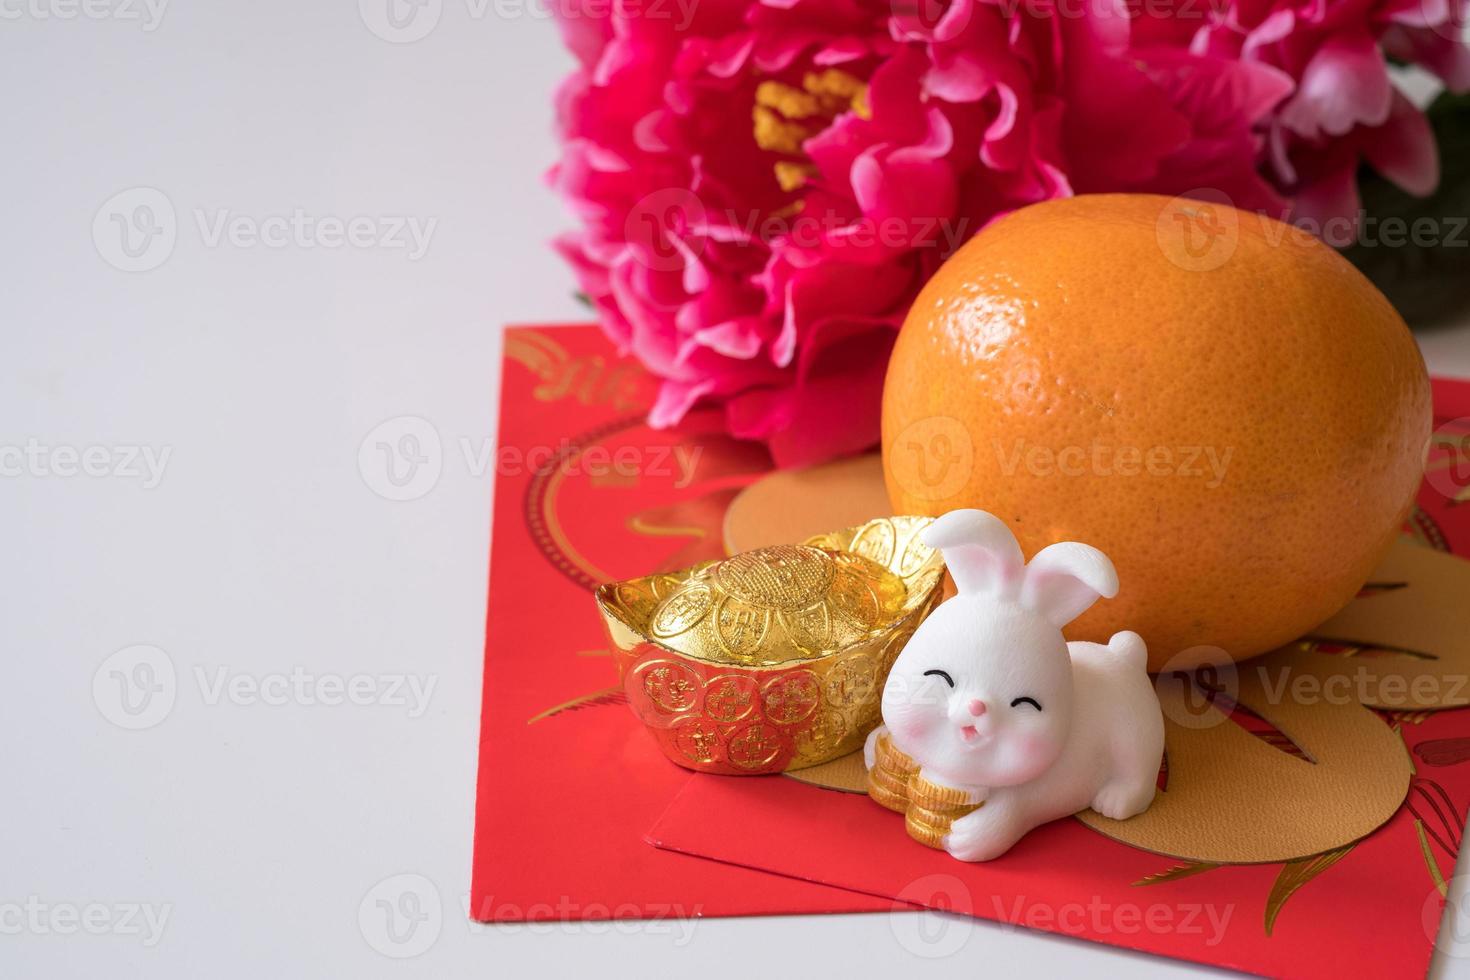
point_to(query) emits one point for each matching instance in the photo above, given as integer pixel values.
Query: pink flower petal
(1403, 149)
(1345, 85)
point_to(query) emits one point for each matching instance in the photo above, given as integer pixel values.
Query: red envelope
(569, 782)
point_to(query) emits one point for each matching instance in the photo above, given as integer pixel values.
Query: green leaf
(1427, 279)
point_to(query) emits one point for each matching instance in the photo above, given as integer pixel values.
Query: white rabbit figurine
(989, 698)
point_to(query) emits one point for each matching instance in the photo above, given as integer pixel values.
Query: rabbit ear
(1065, 579)
(980, 551)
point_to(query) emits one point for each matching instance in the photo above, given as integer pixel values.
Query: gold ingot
(772, 659)
(929, 809)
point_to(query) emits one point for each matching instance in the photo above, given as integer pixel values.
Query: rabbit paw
(870, 747)
(983, 835)
(1119, 801)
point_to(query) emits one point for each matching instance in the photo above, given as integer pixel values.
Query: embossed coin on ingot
(772, 659)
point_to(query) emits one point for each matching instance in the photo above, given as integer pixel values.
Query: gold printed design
(740, 628)
(854, 599)
(697, 740)
(786, 577)
(811, 628)
(731, 697)
(852, 682)
(877, 542)
(608, 695)
(589, 379)
(682, 611)
(913, 558)
(756, 746)
(670, 687)
(792, 698)
(1187, 870)
(1295, 874)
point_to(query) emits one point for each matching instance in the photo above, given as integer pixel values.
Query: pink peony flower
(763, 187)
(1343, 109)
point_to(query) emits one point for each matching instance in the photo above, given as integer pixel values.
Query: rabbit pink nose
(977, 707)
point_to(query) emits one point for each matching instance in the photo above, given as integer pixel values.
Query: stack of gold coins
(929, 809)
(933, 809)
(888, 780)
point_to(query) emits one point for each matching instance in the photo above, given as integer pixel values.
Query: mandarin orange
(1217, 400)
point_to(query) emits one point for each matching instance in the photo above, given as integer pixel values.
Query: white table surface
(253, 828)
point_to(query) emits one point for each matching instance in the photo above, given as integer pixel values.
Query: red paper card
(585, 493)
(569, 781)
(1373, 911)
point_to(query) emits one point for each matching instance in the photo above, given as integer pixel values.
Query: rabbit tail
(1128, 647)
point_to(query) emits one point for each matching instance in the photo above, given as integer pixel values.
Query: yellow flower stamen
(792, 175)
(786, 117)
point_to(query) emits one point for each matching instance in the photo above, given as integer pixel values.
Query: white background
(261, 830)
